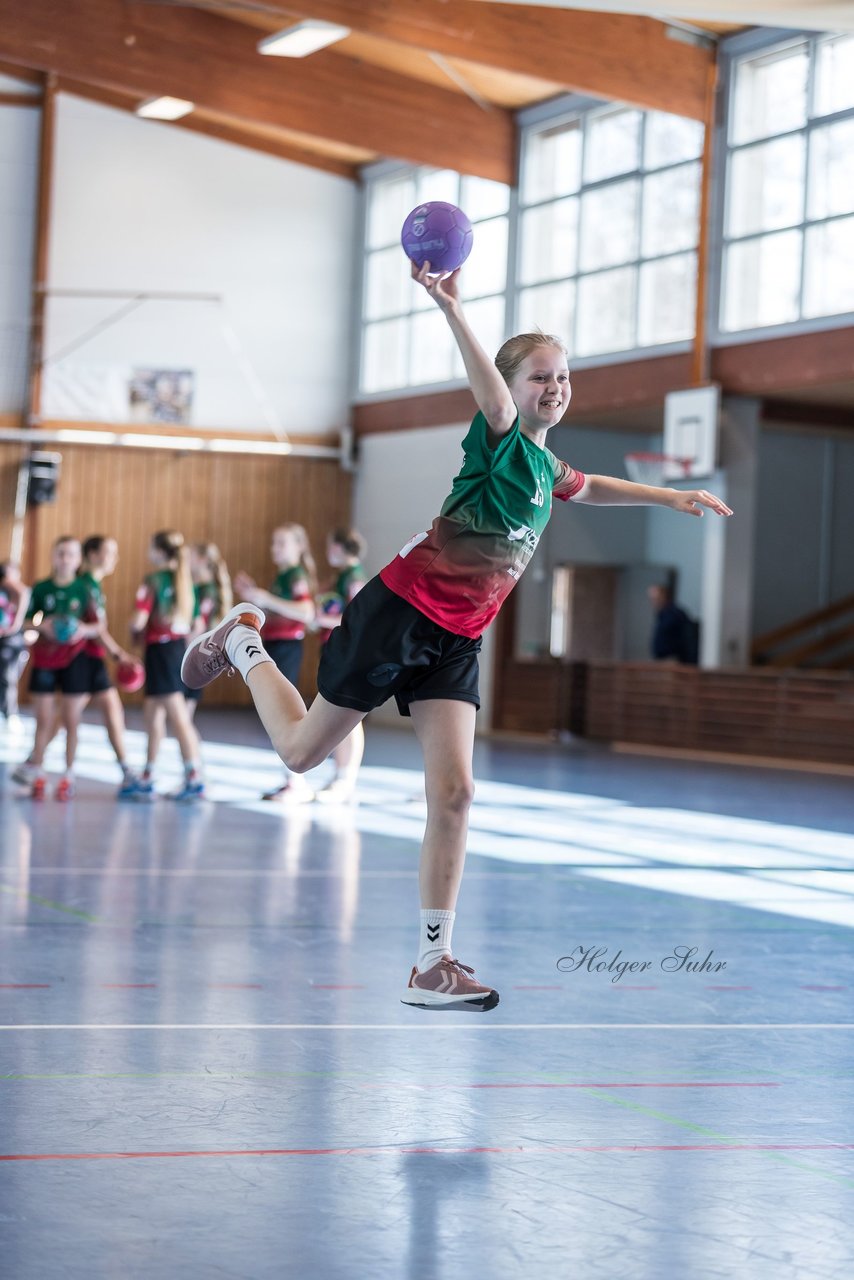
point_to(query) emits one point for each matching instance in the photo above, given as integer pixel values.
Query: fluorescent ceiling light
(304, 38)
(164, 108)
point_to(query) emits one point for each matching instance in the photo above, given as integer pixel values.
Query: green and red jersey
(348, 584)
(156, 599)
(460, 571)
(208, 603)
(290, 584)
(96, 611)
(68, 602)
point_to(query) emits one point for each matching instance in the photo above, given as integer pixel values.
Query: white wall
(19, 149)
(805, 525)
(140, 206)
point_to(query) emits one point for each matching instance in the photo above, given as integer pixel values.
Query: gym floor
(205, 1069)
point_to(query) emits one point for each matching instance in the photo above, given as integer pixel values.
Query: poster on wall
(161, 395)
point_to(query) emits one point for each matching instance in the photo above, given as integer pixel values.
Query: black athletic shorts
(385, 646)
(73, 679)
(163, 668)
(287, 655)
(99, 676)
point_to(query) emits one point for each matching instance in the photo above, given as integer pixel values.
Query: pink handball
(437, 233)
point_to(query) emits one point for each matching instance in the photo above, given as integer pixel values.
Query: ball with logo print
(438, 233)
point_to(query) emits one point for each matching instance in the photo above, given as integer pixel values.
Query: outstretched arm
(488, 387)
(608, 491)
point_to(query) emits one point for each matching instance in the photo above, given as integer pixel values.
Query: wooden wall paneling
(234, 500)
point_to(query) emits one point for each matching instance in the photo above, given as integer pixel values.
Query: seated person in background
(674, 635)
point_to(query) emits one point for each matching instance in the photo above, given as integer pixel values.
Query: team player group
(59, 629)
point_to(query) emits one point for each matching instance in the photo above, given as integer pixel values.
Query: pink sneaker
(448, 985)
(206, 658)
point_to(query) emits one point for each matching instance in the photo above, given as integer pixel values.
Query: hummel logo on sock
(433, 931)
(252, 651)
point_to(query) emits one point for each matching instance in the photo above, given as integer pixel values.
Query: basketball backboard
(691, 431)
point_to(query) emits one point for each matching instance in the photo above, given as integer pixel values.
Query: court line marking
(428, 1025)
(434, 1151)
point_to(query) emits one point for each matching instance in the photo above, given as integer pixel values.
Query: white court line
(429, 1026)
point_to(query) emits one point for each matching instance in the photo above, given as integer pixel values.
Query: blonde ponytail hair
(171, 544)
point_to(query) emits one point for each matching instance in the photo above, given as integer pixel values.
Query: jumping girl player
(214, 597)
(414, 632)
(345, 550)
(58, 607)
(163, 618)
(289, 606)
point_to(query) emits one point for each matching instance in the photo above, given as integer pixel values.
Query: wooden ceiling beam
(213, 61)
(240, 135)
(624, 58)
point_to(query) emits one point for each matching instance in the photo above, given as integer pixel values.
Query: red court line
(435, 1151)
(24, 986)
(235, 986)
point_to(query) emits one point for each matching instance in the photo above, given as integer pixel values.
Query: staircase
(823, 639)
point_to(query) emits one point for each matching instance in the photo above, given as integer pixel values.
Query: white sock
(244, 649)
(435, 941)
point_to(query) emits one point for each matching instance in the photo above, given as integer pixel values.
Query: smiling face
(540, 388)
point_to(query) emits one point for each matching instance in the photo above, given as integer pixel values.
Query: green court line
(46, 902)
(703, 1130)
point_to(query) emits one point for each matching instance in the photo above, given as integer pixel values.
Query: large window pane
(481, 198)
(829, 268)
(766, 186)
(390, 202)
(552, 163)
(612, 143)
(485, 270)
(669, 139)
(550, 307)
(486, 318)
(387, 283)
(831, 183)
(606, 312)
(438, 184)
(671, 210)
(834, 75)
(549, 235)
(609, 225)
(384, 348)
(762, 281)
(431, 348)
(667, 300)
(770, 94)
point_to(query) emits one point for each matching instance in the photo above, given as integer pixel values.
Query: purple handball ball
(437, 233)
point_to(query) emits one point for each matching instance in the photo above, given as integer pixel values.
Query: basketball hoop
(654, 468)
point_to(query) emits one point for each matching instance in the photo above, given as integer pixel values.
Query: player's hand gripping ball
(64, 630)
(330, 604)
(130, 676)
(437, 233)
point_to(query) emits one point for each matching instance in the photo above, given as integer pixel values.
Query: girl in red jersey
(214, 597)
(163, 619)
(414, 631)
(289, 606)
(345, 551)
(58, 610)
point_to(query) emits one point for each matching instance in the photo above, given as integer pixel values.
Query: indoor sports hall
(371, 909)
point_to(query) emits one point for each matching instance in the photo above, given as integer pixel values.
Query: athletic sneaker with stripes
(448, 985)
(206, 657)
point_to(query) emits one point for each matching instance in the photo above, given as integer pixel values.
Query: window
(788, 230)
(406, 341)
(608, 229)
